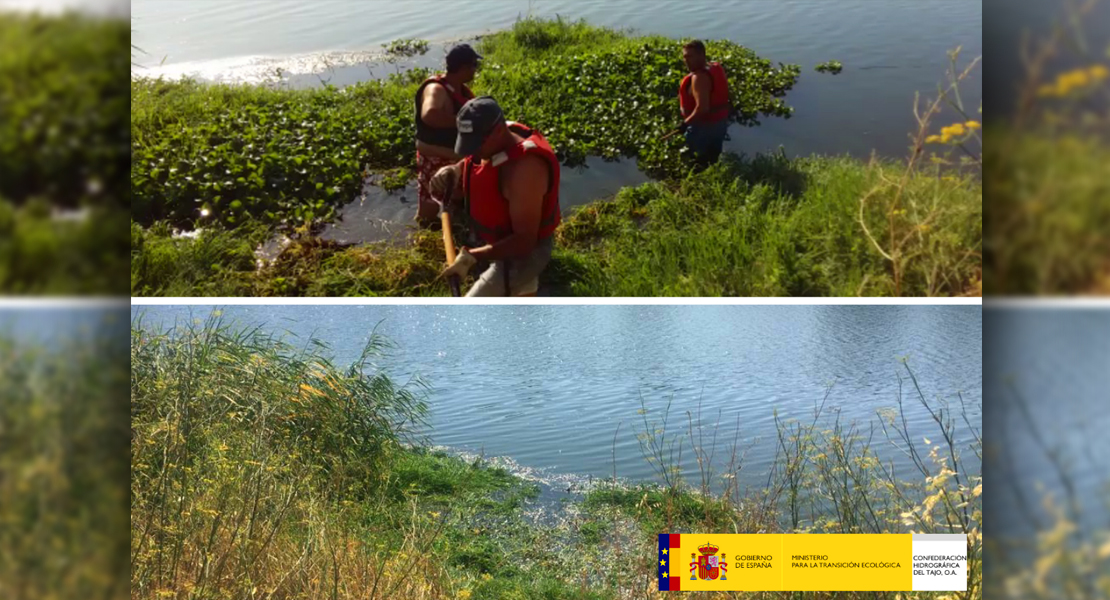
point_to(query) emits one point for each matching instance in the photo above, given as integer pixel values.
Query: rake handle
(449, 250)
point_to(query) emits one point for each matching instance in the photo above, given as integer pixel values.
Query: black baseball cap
(476, 120)
(462, 55)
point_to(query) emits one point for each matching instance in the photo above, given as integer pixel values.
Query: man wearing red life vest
(509, 180)
(703, 98)
(438, 101)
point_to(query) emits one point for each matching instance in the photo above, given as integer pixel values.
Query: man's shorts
(426, 167)
(707, 140)
(524, 273)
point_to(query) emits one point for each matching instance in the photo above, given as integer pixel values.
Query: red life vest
(434, 135)
(489, 209)
(718, 95)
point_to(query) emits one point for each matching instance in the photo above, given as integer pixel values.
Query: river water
(549, 386)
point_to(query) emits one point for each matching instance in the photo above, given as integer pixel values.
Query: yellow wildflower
(1098, 72)
(953, 130)
(463, 594)
(1073, 79)
(932, 139)
(973, 125)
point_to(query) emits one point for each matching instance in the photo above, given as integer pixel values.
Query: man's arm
(701, 97)
(525, 186)
(436, 109)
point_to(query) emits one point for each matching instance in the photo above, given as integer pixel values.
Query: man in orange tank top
(704, 101)
(525, 186)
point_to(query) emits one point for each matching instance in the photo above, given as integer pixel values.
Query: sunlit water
(890, 49)
(556, 389)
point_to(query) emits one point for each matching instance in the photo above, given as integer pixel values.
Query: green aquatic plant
(833, 67)
(212, 154)
(282, 157)
(396, 179)
(404, 48)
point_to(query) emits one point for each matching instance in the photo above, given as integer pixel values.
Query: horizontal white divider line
(445, 301)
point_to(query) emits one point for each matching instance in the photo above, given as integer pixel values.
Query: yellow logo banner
(812, 562)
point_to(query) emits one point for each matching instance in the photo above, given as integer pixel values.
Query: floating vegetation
(833, 67)
(290, 157)
(405, 48)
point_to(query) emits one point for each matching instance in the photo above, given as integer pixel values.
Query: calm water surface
(549, 386)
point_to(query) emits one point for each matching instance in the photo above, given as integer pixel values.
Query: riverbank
(241, 487)
(63, 195)
(243, 164)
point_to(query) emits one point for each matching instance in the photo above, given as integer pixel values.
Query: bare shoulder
(434, 92)
(527, 176)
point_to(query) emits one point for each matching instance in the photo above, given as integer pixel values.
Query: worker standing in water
(509, 179)
(438, 101)
(704, 101)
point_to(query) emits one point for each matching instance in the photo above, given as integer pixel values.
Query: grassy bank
(62, 475)
(261, 469)
(243, 162)
(63, 147)
(765, 226)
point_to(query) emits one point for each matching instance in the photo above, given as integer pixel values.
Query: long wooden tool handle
(670, 135)
(449, 250)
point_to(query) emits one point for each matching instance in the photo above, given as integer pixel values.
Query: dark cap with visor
(476, 121)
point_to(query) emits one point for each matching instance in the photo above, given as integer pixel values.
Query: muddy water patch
(387, 215)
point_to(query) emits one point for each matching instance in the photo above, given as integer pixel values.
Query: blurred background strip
(1047, 175)
(63, 498)
(64, 147)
